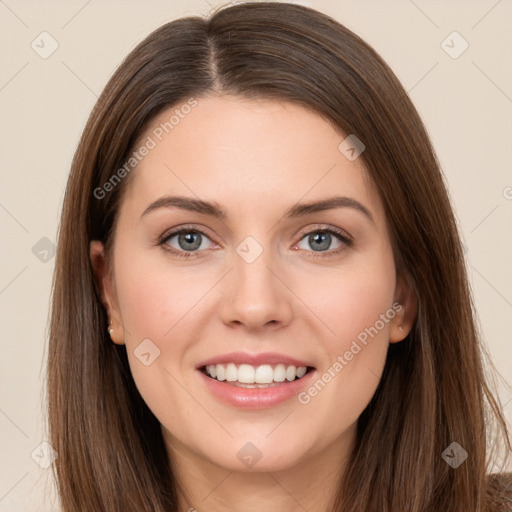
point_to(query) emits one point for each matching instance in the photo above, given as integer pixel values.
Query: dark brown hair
(111, 455)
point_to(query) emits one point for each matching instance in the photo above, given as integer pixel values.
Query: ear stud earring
(400, 328)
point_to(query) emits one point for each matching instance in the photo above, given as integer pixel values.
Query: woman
(260, 300)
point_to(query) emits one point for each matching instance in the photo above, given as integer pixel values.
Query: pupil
(189, 238)
(324, 240)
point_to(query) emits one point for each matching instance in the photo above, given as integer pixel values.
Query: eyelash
(341, 235)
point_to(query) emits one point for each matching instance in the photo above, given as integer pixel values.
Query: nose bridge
(256, 296)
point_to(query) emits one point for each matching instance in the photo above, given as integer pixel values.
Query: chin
(257, 455)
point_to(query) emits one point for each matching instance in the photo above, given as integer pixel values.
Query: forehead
(246, 154)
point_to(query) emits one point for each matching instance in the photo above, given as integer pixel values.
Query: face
(249, 246)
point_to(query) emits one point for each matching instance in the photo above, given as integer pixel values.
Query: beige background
(465, 102)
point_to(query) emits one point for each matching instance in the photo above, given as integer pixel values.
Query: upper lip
(254, 359)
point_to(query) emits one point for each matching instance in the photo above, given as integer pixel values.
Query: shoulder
(499, 486)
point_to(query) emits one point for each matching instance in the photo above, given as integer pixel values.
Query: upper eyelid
(173, 232)
(324, 227)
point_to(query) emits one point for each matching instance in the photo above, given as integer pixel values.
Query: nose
(255, 295)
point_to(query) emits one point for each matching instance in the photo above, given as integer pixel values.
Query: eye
(184, 241)
(188, 241)
(322, 240)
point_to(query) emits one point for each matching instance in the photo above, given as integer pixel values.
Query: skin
(255, 158)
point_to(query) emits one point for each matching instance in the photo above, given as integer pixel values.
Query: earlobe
(104, 282)
(403, 321)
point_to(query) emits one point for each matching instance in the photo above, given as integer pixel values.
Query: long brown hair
(111, 454)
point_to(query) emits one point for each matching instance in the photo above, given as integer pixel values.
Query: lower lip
(257, 398)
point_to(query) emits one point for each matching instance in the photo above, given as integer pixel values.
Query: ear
(106, 285)
(405, 296)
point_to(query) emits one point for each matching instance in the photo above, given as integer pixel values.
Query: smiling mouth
(261, 376)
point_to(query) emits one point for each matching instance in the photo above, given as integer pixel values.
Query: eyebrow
(213, 209)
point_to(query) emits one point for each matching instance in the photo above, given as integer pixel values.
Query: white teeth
(279, 373)
(301, 371)
(248, 374)
(231, 373)
(290, 373)
(264, 374)
(221, 372)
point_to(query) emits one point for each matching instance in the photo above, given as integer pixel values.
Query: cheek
(155, 300)
(154, 296)
(355, 308)
(358, 306)
(351, 299)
